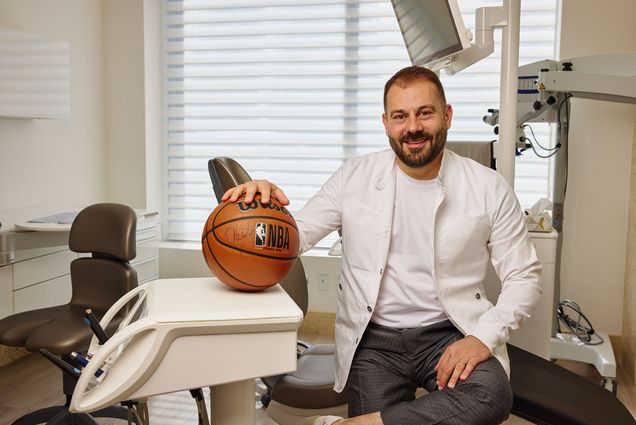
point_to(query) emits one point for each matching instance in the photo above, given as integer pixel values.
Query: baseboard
(318, 323)
(11, 354)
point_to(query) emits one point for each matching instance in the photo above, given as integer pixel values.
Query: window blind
(291, 89)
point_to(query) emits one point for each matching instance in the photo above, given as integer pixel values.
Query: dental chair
(309, 390)
(543, 392)
(107, 231)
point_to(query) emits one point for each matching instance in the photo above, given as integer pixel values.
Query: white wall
(132, 56)
(109, 149)
(125, 101)
(601, 137)
(49, 165)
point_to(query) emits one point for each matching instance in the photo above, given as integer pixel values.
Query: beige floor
(32, 382)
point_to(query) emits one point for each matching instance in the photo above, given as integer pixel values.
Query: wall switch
(323, 281)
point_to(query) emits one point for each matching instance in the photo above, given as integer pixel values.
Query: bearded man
(419, 226)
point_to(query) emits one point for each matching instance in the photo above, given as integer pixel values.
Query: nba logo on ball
(261, 231)
(272, 237)
(250, 246)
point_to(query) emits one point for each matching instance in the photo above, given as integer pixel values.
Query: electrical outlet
(323, 281)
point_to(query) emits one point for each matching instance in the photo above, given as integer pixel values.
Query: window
(291, 89)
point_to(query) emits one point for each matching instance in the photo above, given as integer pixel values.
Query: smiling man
(412, 312)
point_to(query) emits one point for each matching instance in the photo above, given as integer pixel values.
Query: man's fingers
(280, 196)
(457, 371)
(444, 370)
(265, 194)
(250, 192)
(226, 195)
(233, 194)
(250, 189)
(470, 366)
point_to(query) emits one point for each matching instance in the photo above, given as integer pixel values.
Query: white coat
(477, 219)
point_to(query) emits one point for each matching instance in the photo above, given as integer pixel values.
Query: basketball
(250, 247)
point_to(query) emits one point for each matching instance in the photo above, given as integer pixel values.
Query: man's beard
(420, 157)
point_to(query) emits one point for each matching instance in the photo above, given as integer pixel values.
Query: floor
(36, 377)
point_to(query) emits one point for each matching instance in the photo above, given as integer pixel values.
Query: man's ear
(448, 115)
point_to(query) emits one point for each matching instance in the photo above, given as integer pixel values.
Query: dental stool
(545, 393)
(107, 231)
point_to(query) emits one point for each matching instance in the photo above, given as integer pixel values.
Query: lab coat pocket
(462, 246)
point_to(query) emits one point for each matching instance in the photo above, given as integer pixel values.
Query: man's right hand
(266, 188)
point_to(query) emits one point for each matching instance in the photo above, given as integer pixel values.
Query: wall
(597, 199)
(132, 57)
(125, 101)
(50, 165)
(628, 347)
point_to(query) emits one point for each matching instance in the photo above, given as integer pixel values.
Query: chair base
(55, 415)
(60, 415)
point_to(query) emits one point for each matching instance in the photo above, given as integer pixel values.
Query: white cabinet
(6, 291)
(40, 269)
(51, 292)
(535, 334)
(146, 263)
(37, 278)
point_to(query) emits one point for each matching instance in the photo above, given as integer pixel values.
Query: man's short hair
(406, 76)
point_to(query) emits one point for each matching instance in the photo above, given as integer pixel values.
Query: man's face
(416, 122)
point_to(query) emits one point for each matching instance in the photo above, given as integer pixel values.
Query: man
(419, 225)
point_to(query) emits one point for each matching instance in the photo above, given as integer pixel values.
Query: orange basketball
(250, 246)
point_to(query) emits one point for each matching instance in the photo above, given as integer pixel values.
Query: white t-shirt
(408, 297)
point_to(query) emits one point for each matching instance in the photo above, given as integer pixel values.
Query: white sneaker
(321, 420)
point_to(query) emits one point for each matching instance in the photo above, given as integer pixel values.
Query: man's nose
(413, 125)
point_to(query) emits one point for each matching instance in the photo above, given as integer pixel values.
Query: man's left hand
(459, 360)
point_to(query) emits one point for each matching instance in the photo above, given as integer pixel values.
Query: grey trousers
(390, 364)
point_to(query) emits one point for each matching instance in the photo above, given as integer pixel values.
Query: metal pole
(508, 93)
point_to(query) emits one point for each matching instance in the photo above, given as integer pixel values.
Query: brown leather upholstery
(96, 283)
(311, 385)
(477, 151)
(226, 173)
(105, 229)
(108, 232)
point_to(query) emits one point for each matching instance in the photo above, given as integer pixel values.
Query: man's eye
(426, 113)
(398, 117)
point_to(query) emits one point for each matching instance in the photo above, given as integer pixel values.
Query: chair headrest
(105, 229)
(225, 173)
